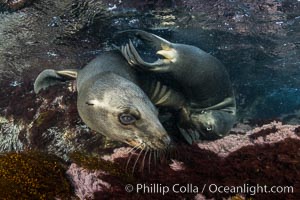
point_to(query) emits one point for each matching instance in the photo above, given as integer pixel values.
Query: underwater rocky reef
(47, 152)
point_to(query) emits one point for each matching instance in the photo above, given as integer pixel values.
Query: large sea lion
(209, 108)
(110, 101)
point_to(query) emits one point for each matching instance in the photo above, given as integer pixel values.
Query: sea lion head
(212, 124)
(120, 110)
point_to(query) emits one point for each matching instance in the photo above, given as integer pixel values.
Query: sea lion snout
(162, 142)
(150, 138)
(158, 143)
(213, 124)
(153, 142)
(154, 134)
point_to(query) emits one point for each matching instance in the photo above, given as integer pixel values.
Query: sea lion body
(110, 101)
(209, 108)
(209, 74)
(111, 62)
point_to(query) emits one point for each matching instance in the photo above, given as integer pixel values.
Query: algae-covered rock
(33, 175)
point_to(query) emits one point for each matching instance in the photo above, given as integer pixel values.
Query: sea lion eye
(126, 118)
(209, 128)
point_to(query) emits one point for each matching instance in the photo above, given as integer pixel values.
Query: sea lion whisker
(167, 153)
(128, 161)
(137, 160)
(143, 162)
(159, 155)
(133, 149)
(149, 161)
(162, 155)
(130, 150)
(155, 157)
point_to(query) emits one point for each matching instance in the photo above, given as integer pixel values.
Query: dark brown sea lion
(209, 108)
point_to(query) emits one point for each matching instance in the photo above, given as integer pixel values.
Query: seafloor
(47, 152)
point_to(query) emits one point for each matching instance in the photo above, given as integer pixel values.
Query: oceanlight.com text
(158, 188)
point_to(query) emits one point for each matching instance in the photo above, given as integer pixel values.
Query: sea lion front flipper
(189, 135)
(51, 77)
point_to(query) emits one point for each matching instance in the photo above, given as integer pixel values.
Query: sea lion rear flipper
(134, 59)
(153, 40)
(50, 77)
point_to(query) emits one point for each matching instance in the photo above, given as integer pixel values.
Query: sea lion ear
(51, 77)
(90, 102)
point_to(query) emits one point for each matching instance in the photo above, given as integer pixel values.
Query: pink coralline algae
(267, 134)
(266, 155)
(177, 165)
(118, 153)
(201, 197)
(86, 182)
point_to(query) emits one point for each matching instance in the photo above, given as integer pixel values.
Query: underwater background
(48, 152)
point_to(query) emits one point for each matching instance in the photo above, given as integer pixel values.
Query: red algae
(10, 105)
(263, 133)
(86, 181)
(271, 163)
(268, 133)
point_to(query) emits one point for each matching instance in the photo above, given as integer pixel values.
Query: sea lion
(209, 107)
(110, 101)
